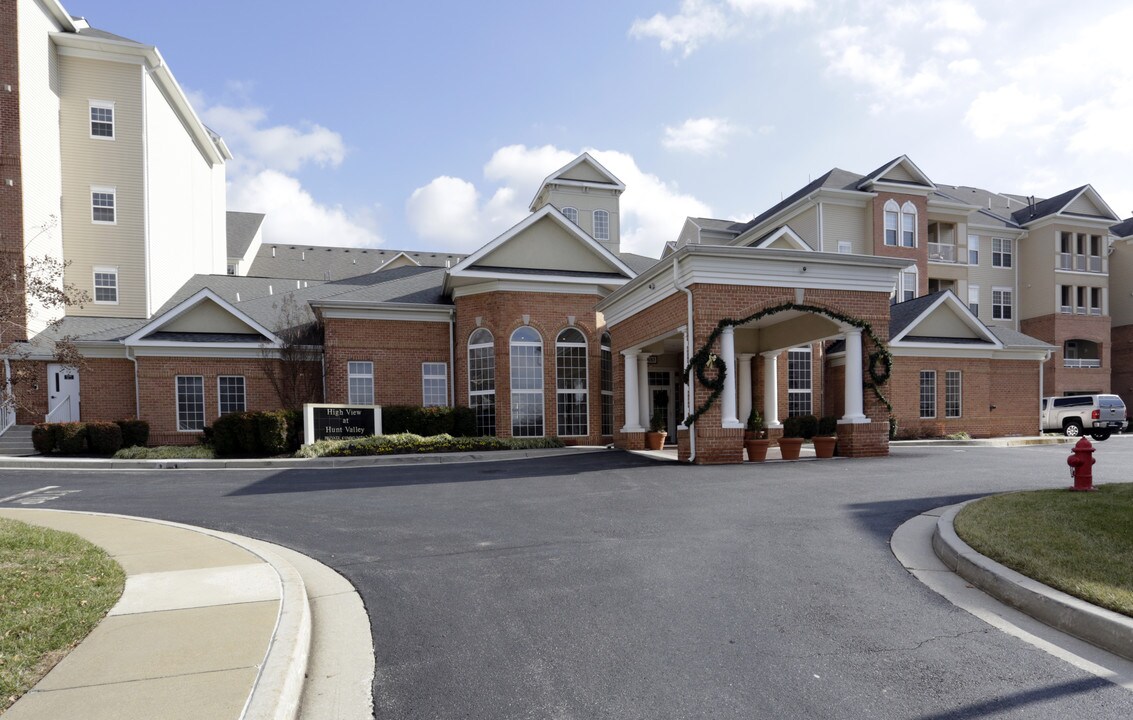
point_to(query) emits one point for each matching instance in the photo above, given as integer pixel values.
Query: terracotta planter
(654, 440)
(824, 445)
(756, 449)
(789, 447)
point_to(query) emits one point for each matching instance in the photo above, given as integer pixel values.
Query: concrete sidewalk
(210, 626)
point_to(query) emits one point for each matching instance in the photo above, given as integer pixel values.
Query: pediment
(203, 318)
(947, 320)
(900, 171)
(1089, 203)
(783, 238)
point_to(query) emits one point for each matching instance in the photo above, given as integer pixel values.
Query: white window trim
(105, 269)
(542, 391)
(908, 210)
(845, 247)
(959, 394)
(351, 375)
(921, 394)
(974, 247)
(605, 348)
(219, 395)
(105, 105)
(1008, 243)
(809, 390)
(559, 391)
(594, 227)
(891, 208)
(425, 376)
(567, 214)
(994, 305)
(177, 403)
(974, 290)
(482, 393)
(113, 192)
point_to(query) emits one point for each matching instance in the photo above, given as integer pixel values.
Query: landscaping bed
(1079, 543)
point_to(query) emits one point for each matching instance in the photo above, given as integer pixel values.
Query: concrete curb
(41, 463)
(987, 442)
(1105, 629)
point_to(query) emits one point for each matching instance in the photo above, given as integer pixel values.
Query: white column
(643, 389)
(728, 398)
(855, 404)
(633, 418)
(744, 384)
(771, 389)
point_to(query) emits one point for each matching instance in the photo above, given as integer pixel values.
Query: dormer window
(601, 225)
(900, 224)
(571, 214)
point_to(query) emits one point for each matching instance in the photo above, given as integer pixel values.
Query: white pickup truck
(1098, 415)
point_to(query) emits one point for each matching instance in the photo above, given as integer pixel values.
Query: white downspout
(137, 397)
(452, 357)
(690, 393)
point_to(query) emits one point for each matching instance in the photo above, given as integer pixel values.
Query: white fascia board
(998, 230)
(189, 303)
(974, 324)
(936, 351)
(902, 188)
(1098, 200)
(148, 55)
(584, 157)
(951, 206)
(383, 311)
(909, 165)
(203, 350)
(786, 232)
(60, 14)
(1060, 219)
(561, 288)
(556, 279)
(395, 257)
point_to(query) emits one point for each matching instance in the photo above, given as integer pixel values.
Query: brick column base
(684, 447)
(716, 446)
(865, 440)
(630, 441)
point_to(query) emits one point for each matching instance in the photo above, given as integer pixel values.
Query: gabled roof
(547, 213)
(898, 171)
(242, 228)
(909, 322)
(399, 260)
(605, 178)
(783, 237)
(835, 179)
(1060, 205)
(159, 331)
(324, 262)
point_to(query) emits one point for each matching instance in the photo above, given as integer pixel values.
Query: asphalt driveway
(610, 586)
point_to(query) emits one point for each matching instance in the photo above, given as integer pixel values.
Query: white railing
(1095, 311)
(7, 416)
(1080, 363)
(942, 252)
(1065, 261)
(64, 403)
(1095, 263)
(1068, 309)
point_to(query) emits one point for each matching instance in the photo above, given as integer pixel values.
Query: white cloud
(967, 66)
(450, 212)
(701, 136)
(262, 176)
(1012, 110)
(956, 15)
(698, 21)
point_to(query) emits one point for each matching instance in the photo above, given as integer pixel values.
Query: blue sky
(428, 125)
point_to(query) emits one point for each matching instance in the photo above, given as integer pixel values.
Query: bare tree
(294, 369)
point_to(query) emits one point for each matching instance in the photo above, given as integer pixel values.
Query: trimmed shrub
(792, 427)
(165, 452)
(135, 433)
(409, 443)
(828, 425)
(808, 427)
(45, 438)
(256, 434)
(72, 438)
(105, 438)
(429, 421)
(274, 431)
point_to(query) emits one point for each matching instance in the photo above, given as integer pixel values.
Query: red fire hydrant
(1081, 462)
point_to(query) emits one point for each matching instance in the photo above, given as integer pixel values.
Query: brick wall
(501, 313)
(11, 198)
(919, 254)
(1121, 354)
(1056, 329)
(397, 349)
(1009, 385)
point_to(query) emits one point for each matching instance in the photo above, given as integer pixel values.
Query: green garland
(880, 361)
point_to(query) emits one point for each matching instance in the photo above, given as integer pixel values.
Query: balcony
(1078, 262)
(942, 252)
(1080, 363)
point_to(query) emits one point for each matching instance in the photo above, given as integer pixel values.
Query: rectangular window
(601, 225)
(799, 382)
(231, 269)
(908, 230)
(106, 285)
(928, 394)
(1094, 254)
(190, 402)
(1066, 251)
(973, 249)
(482, 385)
(1080, 305)
(1095, 301)
(1066, 298)
(891, 227)
(1001, 252)
(1001, 303)
(974, 299)
(101, 120)
(102, 205)
(952, 394)
(607, 378)
(845, 247)
(360, 382)
(434, 384)
(230, 394)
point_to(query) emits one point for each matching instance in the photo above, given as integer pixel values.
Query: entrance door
(62, 393)
(661, 397)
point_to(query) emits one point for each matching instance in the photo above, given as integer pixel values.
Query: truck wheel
(1099, 435)
(1073, 428)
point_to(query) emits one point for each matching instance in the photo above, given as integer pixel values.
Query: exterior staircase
(16, 441)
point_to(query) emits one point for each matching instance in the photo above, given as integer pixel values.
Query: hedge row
(409, 443)
(256, 434)
(81, 438)
(428, 421)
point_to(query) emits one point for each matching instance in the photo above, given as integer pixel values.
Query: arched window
(482, 380)
(601, 225)
(607, 386)
(892, 211)
(570, 383)
(526, 383)
(908, 225)
(571, 214)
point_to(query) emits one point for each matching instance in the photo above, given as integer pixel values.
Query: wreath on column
(880, 360)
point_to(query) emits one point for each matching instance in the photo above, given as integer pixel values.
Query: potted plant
(655, 438)
(826, 438)
(754, 441)
(792, 440)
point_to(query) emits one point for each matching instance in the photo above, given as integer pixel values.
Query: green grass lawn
(1079, 543)
(54, 588)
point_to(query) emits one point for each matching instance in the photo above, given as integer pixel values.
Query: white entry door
(62, 393)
